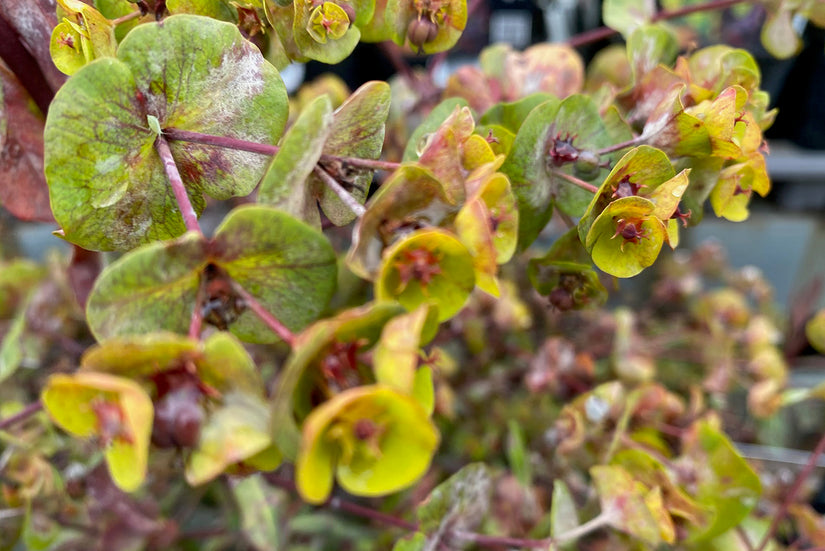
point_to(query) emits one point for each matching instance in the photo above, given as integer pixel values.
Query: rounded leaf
(377, 440)
(288, 266)
(107, 185)
(625, 238)
(115, 409)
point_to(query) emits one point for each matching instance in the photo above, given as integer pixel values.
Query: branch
(190, 218)
(124, 18)
(601, 33)
(576, 181)
(271, 321)
(21, 415)
(353, 205)
(176, 134)
(616, 147)
(797, 485)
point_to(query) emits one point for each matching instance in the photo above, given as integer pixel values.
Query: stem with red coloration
(271, 321)
(595, 35)
(576, 181)
(21, 415)
(176, 134)
(190, 218)
(797, 485)
(353, 205)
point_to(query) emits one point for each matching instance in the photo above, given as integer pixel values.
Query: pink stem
(271, 321)
(21, 415)
(797, 485)
(175, 181)
(265, 149)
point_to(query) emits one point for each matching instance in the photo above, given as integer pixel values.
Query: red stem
(595, 35)
(190, 218)
(271, 321)
(353, 205)
(797, 485)
(266, 149)
(576, 181)
(21, 415)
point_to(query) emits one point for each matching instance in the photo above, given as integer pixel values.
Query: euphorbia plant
(408, 348)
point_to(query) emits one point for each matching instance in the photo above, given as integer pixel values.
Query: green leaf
(627, 15)
(216, 9)
(139, 356)
(258, 522)
(323, 32)
(376, 440)
(778, 34)
(649, 46)
(563, 510)
(236, 430)
(75, 402)
(99, 148)
(17, 277)
(623, 502)
(815, 331)
(288, 266)
(150, 289)
(434, 119)
(285, 183)
(459, 503)
(357, 131)
(225, 364)
(525, 166)
(11, 350)
(427, 266)
(417, 542)
(395, 357)
(726, 484)
(638, 173)
(410, 198)
(622, 256)
(511, 115)
(517, 454)
(532, 170)
(362, 325)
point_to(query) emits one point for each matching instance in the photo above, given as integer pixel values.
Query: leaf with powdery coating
(107, 185)
(459, 503)
(624, 503)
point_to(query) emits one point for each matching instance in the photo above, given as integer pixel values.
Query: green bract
(427, 266)
(115, 410)
(288, 266)
(373, 439)
(107, 185)
(357, 328)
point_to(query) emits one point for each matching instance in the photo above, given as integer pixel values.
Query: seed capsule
(421, 31)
